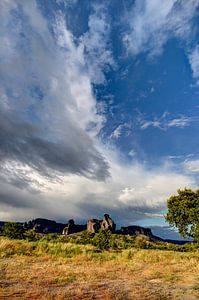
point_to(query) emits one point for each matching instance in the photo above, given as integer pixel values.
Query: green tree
(183, 212)
(13, 230)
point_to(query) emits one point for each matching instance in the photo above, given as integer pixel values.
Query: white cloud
(49, 115)
(130, 193)
(122, 129)
(180, 122)
(132, 153)
(194, 62)
(192, 166)
(66, 3)
(97, 46)
(153, 187)
(153, 22)
(151, 215)
(165, 122)
(117, 132)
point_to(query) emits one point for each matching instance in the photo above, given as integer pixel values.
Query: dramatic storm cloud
(48, 111)
(98, 107)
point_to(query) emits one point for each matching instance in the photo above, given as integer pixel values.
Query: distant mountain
(167, 233)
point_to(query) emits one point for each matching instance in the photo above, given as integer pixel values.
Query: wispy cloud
(192, 166)
(117, 132)
(181, 122)
(97, 46)
(165, 121)
(132, 153)
(194, 62)
(153, 22)
(124, 129)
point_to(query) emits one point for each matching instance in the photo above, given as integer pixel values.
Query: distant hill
(168, 233)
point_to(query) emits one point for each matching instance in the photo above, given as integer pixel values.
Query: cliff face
(136, 230)
(41, 225)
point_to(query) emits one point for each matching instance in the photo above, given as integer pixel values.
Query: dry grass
(28, 271)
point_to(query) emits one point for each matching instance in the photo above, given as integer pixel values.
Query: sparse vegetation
(59, 269)
(99, 265)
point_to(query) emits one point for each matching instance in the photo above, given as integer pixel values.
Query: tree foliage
(13, 230)
(183, 212)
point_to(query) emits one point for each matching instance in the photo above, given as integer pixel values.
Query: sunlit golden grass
(46, 270)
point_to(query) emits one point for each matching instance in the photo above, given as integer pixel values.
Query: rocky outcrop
(71, 228)
(108, 224)
(136, 230)
(41, 225)
(93, 225)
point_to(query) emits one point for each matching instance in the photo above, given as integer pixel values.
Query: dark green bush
(13, 230)
(85, 238)
(103, 240)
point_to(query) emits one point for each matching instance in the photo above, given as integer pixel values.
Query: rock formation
(71, 228)
(108, 224)
(136, 230)
(93, 225)
(41, 225)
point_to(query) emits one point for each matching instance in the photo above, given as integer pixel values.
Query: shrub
(141, 242)
(31, 235)
(103, 240)
(85, 238)
(13, 230)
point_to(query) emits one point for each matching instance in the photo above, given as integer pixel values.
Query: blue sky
(99, 107)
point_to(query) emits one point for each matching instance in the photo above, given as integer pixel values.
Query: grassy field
(61, 270)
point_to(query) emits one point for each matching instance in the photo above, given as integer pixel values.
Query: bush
(31, 235)
(103, 240)
(13, 230)
(85, 238)
(141, 242)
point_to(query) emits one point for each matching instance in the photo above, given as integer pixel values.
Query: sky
(99, 108)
